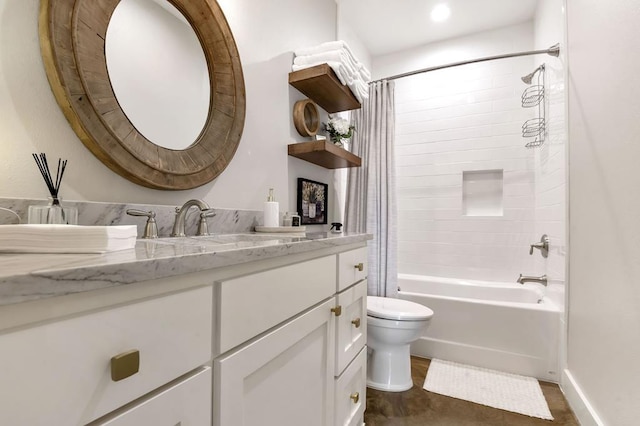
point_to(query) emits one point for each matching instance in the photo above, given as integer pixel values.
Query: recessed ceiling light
(440, 12)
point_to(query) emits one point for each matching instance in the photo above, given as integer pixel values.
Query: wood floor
(417, 407)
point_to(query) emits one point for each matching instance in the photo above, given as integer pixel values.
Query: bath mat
(509, 392)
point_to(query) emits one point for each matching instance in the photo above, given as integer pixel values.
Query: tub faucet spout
(527, 279)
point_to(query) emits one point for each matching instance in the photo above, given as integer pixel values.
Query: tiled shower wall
(551, 157)
(458, 120)
(551, 181)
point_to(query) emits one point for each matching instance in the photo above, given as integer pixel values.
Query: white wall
(488, 43)
(347, 33)
(604, 196)
(466, 118)
(266, 34)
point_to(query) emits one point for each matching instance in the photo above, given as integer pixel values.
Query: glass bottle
(288, 219)
(53, 213)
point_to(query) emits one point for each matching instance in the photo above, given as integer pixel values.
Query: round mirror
(72, 39)
(158, 71)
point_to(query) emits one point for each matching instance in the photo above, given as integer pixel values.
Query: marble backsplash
(224, 221)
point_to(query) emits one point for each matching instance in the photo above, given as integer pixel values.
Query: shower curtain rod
(552, 51)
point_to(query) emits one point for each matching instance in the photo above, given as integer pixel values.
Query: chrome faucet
(527, 279)
(181, 212)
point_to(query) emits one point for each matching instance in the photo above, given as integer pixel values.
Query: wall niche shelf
(325, 154)
(321, 85)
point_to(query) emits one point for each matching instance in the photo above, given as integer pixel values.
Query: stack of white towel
(66, 238)
(339, 57)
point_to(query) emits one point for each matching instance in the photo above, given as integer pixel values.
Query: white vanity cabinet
(273, 341)
(351, 337)
(285, 376)
(60, 372)
(291, 346)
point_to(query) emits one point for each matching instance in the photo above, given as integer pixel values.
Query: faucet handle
(543, 246)
(151, 228)
(203, 226)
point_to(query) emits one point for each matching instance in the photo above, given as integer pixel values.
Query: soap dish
(281, 229)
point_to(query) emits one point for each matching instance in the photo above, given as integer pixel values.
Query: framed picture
(312, 202)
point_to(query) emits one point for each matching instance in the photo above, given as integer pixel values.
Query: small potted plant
(339, 130)
(312, 198)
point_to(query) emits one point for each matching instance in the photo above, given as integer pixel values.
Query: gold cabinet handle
(360, 266)
(125, 365)
(355, 397)
(356, 322)
(337, 310)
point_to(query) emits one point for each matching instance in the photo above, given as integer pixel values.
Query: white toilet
(392, 324)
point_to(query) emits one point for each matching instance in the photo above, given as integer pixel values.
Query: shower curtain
(371, 189)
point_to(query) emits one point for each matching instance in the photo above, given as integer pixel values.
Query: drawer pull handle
(360, 266)
(337, 310)
(355, 397)
(356, 322)
(125, 364)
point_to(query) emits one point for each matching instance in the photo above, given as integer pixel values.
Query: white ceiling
(386, 26)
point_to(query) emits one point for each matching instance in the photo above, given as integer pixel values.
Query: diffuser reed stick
(53, 186)
(54, 213)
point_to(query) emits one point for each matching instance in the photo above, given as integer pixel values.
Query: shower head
(527, 79)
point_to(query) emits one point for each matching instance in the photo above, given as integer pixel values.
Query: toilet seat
(397, 309)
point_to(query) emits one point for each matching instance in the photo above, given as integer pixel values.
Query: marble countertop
(25, 277)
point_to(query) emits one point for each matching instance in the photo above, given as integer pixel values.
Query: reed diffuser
(54, 212)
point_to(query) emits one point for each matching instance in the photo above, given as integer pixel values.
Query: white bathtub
(503, 326)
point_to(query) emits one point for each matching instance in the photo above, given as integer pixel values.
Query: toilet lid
(397, 309)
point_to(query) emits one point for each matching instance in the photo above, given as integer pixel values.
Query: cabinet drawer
(249, 305)
(187, 402)
(60, 373)
(284, 378)
(351, 325)
(350, 392)
(348, 267)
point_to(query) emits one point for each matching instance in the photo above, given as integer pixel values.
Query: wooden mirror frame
(72, 39)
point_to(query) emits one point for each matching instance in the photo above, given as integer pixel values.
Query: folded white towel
(339, 55)
(339, 45)
(66, 238)
(324, 47)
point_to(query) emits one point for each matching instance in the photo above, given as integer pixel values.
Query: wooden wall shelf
(322, 86)
(325, 154)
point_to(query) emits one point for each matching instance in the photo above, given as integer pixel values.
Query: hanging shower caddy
(533, 96)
